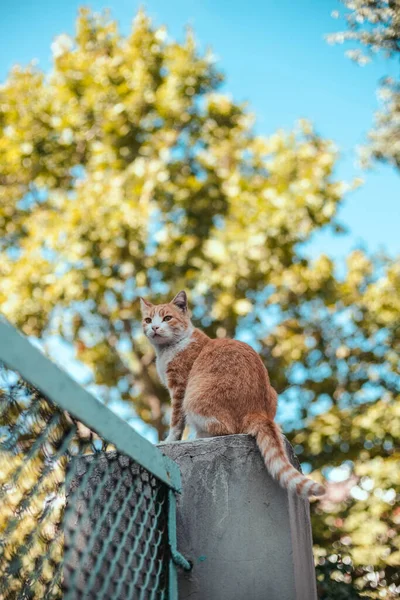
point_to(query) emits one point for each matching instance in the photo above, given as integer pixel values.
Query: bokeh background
(234, 151)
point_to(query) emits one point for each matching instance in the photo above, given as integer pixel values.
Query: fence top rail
(54, 383)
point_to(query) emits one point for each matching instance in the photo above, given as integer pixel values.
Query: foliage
(359, 531)
(124, 172)
(375, 26)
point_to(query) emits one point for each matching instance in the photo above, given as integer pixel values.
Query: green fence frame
(20, 355)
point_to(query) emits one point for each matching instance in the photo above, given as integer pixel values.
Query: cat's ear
(180, 301)
(145, 305)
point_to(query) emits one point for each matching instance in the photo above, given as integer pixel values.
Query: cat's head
(165, 324)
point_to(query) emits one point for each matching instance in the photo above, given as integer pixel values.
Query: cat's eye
(147, 320)
(167, 318)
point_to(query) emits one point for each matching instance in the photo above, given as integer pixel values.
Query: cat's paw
(174, 435)
(171, 437)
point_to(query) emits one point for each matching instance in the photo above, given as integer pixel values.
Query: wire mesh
(78, 519)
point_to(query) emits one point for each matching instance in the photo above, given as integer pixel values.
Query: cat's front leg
(177, 418)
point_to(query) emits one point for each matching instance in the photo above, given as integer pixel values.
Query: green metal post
(176, 557)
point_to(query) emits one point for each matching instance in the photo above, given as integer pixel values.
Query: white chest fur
(166, 355)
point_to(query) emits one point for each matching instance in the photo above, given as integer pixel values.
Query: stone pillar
(247, 538)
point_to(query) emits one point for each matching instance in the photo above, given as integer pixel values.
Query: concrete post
(247, 538)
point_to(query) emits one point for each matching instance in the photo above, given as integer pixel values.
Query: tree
(375, 25)
(124, 172)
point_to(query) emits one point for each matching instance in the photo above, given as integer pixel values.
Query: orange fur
(219, 387)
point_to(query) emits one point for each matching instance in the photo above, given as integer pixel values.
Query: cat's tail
(272, 447)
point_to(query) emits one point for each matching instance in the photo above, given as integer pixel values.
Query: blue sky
(275, 57)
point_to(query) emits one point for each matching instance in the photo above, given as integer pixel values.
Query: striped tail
(271, 444)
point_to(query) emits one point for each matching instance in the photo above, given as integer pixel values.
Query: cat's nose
(155, 327)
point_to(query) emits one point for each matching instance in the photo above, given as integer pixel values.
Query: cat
(218, 387)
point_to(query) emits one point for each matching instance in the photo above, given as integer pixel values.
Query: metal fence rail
(87, 506)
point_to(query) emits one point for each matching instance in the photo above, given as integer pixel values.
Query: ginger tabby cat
(218, 387)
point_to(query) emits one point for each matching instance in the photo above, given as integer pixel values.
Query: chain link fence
(78, 517)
